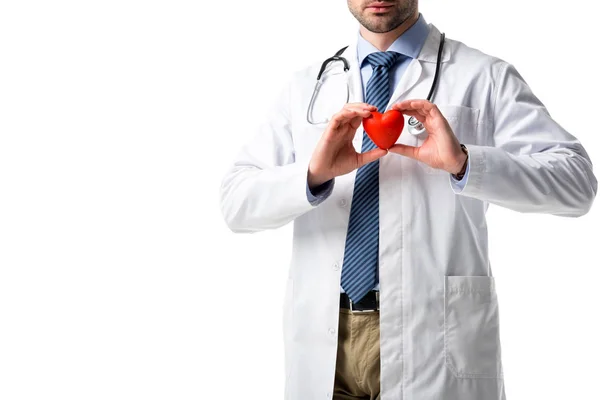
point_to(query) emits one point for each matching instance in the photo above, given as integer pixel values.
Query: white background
(118, 277)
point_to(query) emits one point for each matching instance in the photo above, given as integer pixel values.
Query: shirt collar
(409, 43)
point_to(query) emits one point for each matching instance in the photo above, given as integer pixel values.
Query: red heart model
(384, 129)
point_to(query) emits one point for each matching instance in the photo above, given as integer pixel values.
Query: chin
(379, 28)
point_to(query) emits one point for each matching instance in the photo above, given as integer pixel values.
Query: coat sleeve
(265, 188)
(534, 165)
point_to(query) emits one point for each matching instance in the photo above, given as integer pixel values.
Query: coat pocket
(462, 120)
(471, 327)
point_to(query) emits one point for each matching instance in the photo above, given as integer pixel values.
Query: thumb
(404, 150)
(370, 156)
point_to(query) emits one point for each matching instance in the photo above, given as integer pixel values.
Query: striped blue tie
(359, 271)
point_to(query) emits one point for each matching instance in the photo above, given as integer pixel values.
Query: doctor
(390, 292)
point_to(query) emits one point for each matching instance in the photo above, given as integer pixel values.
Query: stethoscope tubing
(414, 126)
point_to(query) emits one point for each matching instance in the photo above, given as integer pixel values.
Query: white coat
(439, 309)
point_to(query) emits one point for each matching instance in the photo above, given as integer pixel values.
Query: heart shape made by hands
(384, 129)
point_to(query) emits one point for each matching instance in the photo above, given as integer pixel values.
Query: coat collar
(428, 54)
(430, 49)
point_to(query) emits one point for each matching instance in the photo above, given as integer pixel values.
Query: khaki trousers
(357, 368)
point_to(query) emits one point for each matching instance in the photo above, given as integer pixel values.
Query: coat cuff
(459, 185)
(476, 170)
(320, 193)
(297, 182)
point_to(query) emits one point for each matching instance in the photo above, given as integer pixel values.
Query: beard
(383, 22)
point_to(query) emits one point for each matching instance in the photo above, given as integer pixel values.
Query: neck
(382, 41)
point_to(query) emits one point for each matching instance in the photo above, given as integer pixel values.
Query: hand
(335, 155)
(441, 149)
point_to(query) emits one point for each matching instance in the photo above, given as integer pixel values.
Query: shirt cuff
(459, 185)
(320, 193)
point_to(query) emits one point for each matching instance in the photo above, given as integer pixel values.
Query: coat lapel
(414, 71)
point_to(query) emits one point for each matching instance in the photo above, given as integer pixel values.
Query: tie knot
(383, 58)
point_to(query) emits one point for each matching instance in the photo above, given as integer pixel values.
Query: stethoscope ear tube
(330, 59)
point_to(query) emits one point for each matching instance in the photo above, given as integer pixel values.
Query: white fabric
(439, 312)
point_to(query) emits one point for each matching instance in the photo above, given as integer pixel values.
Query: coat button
(331, 331)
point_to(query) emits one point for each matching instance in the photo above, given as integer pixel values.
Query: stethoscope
(414, 126)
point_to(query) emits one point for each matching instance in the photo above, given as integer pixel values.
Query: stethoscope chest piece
(415, 127)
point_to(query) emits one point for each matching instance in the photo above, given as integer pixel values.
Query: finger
(342, 117)
(360, 108)
(407, 151)
(347, 116)
(422, 105)
(435, 112)
(422, 112)
(429, 112)
(402, 106)
(407, 109)
(370, 156)
(416, 114)
(364, 113)
(362, 105)
(412, 105)
(354, 123)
